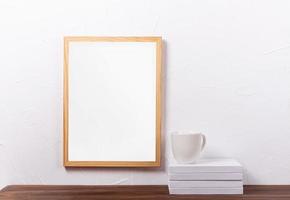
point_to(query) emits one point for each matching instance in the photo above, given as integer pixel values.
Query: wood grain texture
(65, 102)
(36, 192)
(111, 39)
(66, 161)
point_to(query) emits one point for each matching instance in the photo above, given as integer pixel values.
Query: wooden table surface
(46, 192)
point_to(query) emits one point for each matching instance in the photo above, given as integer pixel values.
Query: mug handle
(203, 141)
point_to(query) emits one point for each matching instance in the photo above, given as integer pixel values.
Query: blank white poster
(112, 101)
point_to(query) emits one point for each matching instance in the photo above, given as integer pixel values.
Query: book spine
(238, 190)
(206, 176)
(205, 184)
(190, 169)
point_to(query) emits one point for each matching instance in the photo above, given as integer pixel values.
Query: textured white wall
(227, 74)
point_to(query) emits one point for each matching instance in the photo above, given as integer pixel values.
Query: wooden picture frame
(67, 162)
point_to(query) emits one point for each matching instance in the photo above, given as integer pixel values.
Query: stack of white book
(208, 176)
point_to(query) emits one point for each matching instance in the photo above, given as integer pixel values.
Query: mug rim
(185, 133)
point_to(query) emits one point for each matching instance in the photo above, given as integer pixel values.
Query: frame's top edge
(113, 38)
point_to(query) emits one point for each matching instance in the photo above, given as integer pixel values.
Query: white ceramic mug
(187, 146)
